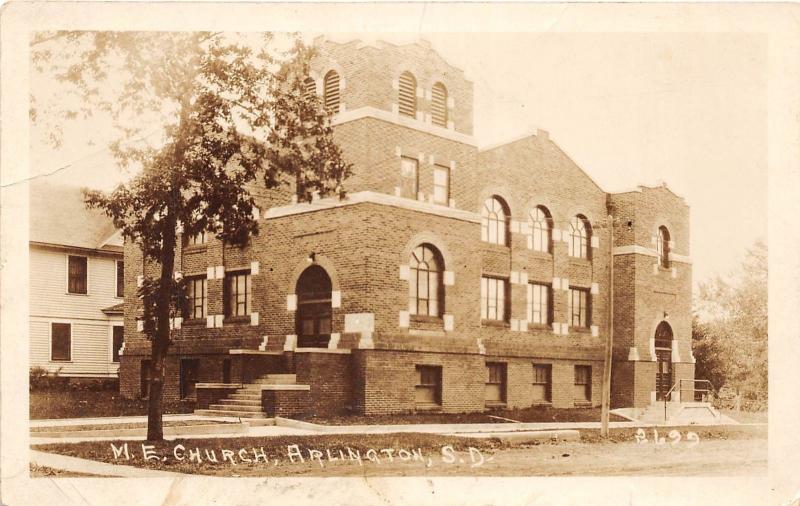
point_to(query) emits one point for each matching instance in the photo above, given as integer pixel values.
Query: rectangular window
(197, 239)
(238, 293)
(144, 375)
(428, 390)
(578, 307)
(583, 383)
(77, 280)
(120, 278)
(60, 342)
(441, 185)
(541, 382)
(539, 305)
(493, 299)
(196, 298)
(117, 338)
(409, 177)
(495, 383)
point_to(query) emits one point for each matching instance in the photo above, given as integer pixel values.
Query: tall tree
(231, 113)
(730, 336)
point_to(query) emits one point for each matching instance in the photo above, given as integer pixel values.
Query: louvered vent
(407, 95)
(332, 91)
(439, 105)
(309, 87)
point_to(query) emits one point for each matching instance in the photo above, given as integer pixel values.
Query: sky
(629, 108)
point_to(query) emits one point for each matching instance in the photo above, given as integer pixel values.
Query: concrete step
(241, 402)
(227, 407)
(223, 412)
(246, 397)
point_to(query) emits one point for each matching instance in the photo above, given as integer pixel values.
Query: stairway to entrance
(246, 401)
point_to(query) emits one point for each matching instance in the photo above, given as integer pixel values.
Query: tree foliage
(230, 111)
(730, 335)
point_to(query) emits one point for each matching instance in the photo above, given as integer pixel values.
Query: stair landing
(246, 401)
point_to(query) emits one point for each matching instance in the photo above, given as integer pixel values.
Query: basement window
(428, 390)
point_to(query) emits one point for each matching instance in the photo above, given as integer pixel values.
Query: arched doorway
(663, 346)
(313, 320)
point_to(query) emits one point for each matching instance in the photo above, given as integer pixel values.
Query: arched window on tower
(662, 245)
(331, 91)
(580, 236)
(541, 229)
(309, 87)
(407, 95)
(425, 286)
(439, 105)
(494, 221)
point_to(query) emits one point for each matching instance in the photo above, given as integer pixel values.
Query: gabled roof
(59, 217)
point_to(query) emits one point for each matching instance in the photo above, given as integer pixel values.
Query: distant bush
(40, 378)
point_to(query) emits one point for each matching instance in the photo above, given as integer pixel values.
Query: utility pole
(606, 397)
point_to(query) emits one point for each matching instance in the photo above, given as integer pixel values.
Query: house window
(196, 298)
(539, 305)
(409, 177)
(441, 185)
(309, 88)
(583, 384)
(428, 390)
(662, 245)
(578, 307)
(117, 338)
(439, 105)
(541, 382)
(238, 293)
(579, 237)
(144, 374)
(120, 278)
(541, 230)
(495, 383)
(197, 239)
(493, 299)
(331, 91)
(494, 221)
(77, 277)
(407, 95)
(425, 288)
(60, 342)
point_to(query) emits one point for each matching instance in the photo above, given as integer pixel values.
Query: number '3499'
(674, 436)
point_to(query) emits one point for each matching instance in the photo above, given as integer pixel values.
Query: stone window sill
(195, 248)
(582, 404)
(426, 319)
(193, 322)
(428, 407)
(540, 326)
(496, 405)
(496, 323)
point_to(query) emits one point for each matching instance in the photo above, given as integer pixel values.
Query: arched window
(662, 245)
(579, 237)
(494, 221)
(407, 95)
(541, 229)
(309, 87)
(331, 91)
(425, 288)
(439, 105)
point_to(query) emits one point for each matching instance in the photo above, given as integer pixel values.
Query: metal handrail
(679, 384)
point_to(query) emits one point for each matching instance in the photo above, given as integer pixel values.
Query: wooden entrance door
(663, 373)
(190, 373)
(314, 308)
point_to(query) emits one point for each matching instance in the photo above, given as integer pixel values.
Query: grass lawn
(526, 415)
(73, 403)
(277, 451)
(746, 416)
(132, 425)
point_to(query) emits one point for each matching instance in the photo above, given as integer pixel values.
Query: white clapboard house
(76, 284)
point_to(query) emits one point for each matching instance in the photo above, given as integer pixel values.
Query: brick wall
(331, 379)
(285, 403)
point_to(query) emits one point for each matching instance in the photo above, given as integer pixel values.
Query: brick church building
(450, 278)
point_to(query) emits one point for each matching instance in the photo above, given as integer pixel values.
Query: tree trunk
(155, 408)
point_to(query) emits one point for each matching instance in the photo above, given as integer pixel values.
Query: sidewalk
(97, 468)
